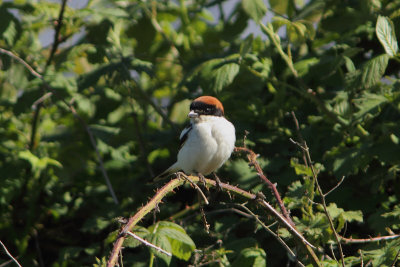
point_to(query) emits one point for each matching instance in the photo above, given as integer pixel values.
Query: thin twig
(150, 101)
(362, 258)
(99, 158)
(203, 216)
(23, 62)
(280, 240)
(39, 251)
(299, 136)
(9, 254)
(351, 240)
(185, 177)
(170, 186)
(152, 15)
(41, 100)
(147, 243)
(252, 157)
(395, 258)
(142, 144)
(314, 173)
(283, 220)
(57, 39)
(336, 186)
(287, 57)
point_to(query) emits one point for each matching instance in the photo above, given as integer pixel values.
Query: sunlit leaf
(256, 9)
(386, 35)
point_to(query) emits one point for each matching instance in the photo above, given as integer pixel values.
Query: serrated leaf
(255, 9)
(348, 216)
(161, 241)
(368, 103)
(251, 257)
(386, 35)
(300, 169)
(374, 70)
(225, 75)
(219, 73)
(303, 66)
(181, 244)
(132, 242)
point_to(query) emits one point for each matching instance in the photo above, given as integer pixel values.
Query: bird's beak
(193, 114)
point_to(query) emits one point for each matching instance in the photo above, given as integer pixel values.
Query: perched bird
(207, 142)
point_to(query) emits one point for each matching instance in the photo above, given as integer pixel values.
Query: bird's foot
(203, 180)
(218, 182)
(219, 185)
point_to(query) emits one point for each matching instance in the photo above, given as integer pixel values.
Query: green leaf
(161, 241)
(374, 70)
(225, 75)
(300, 169)
(255, 9)
(349, 216)
(386, 35)
(181, 244)
(303, 66)
(132, 242)
(246, 45)
(219, 73)
(36, 162)
(251, 257)
(368, 103)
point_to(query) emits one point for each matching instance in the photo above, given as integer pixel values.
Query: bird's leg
(203, 180)
(218, 182)
(219, 186)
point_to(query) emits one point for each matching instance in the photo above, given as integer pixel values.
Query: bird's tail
(174, 168)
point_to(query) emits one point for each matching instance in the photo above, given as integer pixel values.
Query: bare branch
(147, 243)
(23, 62)
(252, 157)
(185, 177)
(395, 259)
(57, 39)
(305, 148)
(280, 240)
(336, 186)
(9, 254)
(171, 185)
(351, 240)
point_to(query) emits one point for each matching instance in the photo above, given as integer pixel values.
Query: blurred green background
(130, 69)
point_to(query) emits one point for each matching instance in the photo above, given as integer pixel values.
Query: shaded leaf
(251, 257)
(373, 70)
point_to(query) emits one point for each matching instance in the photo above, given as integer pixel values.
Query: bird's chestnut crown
(207, 105)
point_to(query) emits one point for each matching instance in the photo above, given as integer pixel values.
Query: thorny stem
(252, 157)
(170, 186)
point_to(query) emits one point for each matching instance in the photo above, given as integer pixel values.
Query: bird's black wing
(185, 134)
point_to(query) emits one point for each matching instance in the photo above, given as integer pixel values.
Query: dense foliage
(114, 82)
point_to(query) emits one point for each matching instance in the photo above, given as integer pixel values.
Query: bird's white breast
(210, 143)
